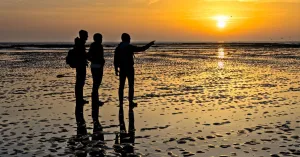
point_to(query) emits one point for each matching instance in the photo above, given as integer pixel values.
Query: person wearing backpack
(81, 63)
(96, 57)
(124, 66)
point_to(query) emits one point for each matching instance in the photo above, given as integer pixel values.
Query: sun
(221, 24)
(221, 21)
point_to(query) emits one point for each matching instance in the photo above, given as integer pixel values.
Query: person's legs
(122, 80)
(131, 85)
(80, 80)
(97, 74)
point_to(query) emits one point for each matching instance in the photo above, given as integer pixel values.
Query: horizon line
(142, 41)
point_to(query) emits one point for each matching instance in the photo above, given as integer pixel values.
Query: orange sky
(161, 20)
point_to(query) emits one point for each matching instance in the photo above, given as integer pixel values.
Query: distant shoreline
(17, 45)
(157, 42)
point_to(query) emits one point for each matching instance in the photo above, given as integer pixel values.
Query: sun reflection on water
(221, 55)
(221, 64)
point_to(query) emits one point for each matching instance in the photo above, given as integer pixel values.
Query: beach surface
(193, 100)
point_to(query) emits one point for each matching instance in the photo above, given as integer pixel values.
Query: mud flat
(192, 102)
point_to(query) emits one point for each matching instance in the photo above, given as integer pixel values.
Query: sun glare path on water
(221, 53)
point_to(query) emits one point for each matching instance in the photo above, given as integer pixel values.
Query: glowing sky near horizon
(161, 20)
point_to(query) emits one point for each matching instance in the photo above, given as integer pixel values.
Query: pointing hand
(152, 42)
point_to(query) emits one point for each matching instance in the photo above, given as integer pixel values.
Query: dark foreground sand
(208, 102)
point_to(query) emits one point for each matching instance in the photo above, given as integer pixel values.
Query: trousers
(97, 74)
(129, 74)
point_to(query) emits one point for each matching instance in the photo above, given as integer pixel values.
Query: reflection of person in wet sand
(127, 139)
(123, 61)
(80, 147)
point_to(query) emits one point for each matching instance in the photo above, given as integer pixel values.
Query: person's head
(98, 37)
(83, 35)
(125, 37)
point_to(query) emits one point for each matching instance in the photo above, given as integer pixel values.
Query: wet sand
(218, 101)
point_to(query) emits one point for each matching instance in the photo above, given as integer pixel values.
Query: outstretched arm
(144, 48)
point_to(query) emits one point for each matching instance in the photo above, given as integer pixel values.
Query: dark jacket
(124, 54)
(81, 55)
(96, 54)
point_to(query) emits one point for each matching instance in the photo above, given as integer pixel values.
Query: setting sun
(221, 21)
(221, 24)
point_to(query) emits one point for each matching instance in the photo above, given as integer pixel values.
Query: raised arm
(143, 48)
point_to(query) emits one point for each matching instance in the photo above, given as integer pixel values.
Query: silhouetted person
(127, 139)
(81, 63)
(124, 66)
(95, 55)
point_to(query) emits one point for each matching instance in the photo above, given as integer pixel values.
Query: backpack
(71, 58)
